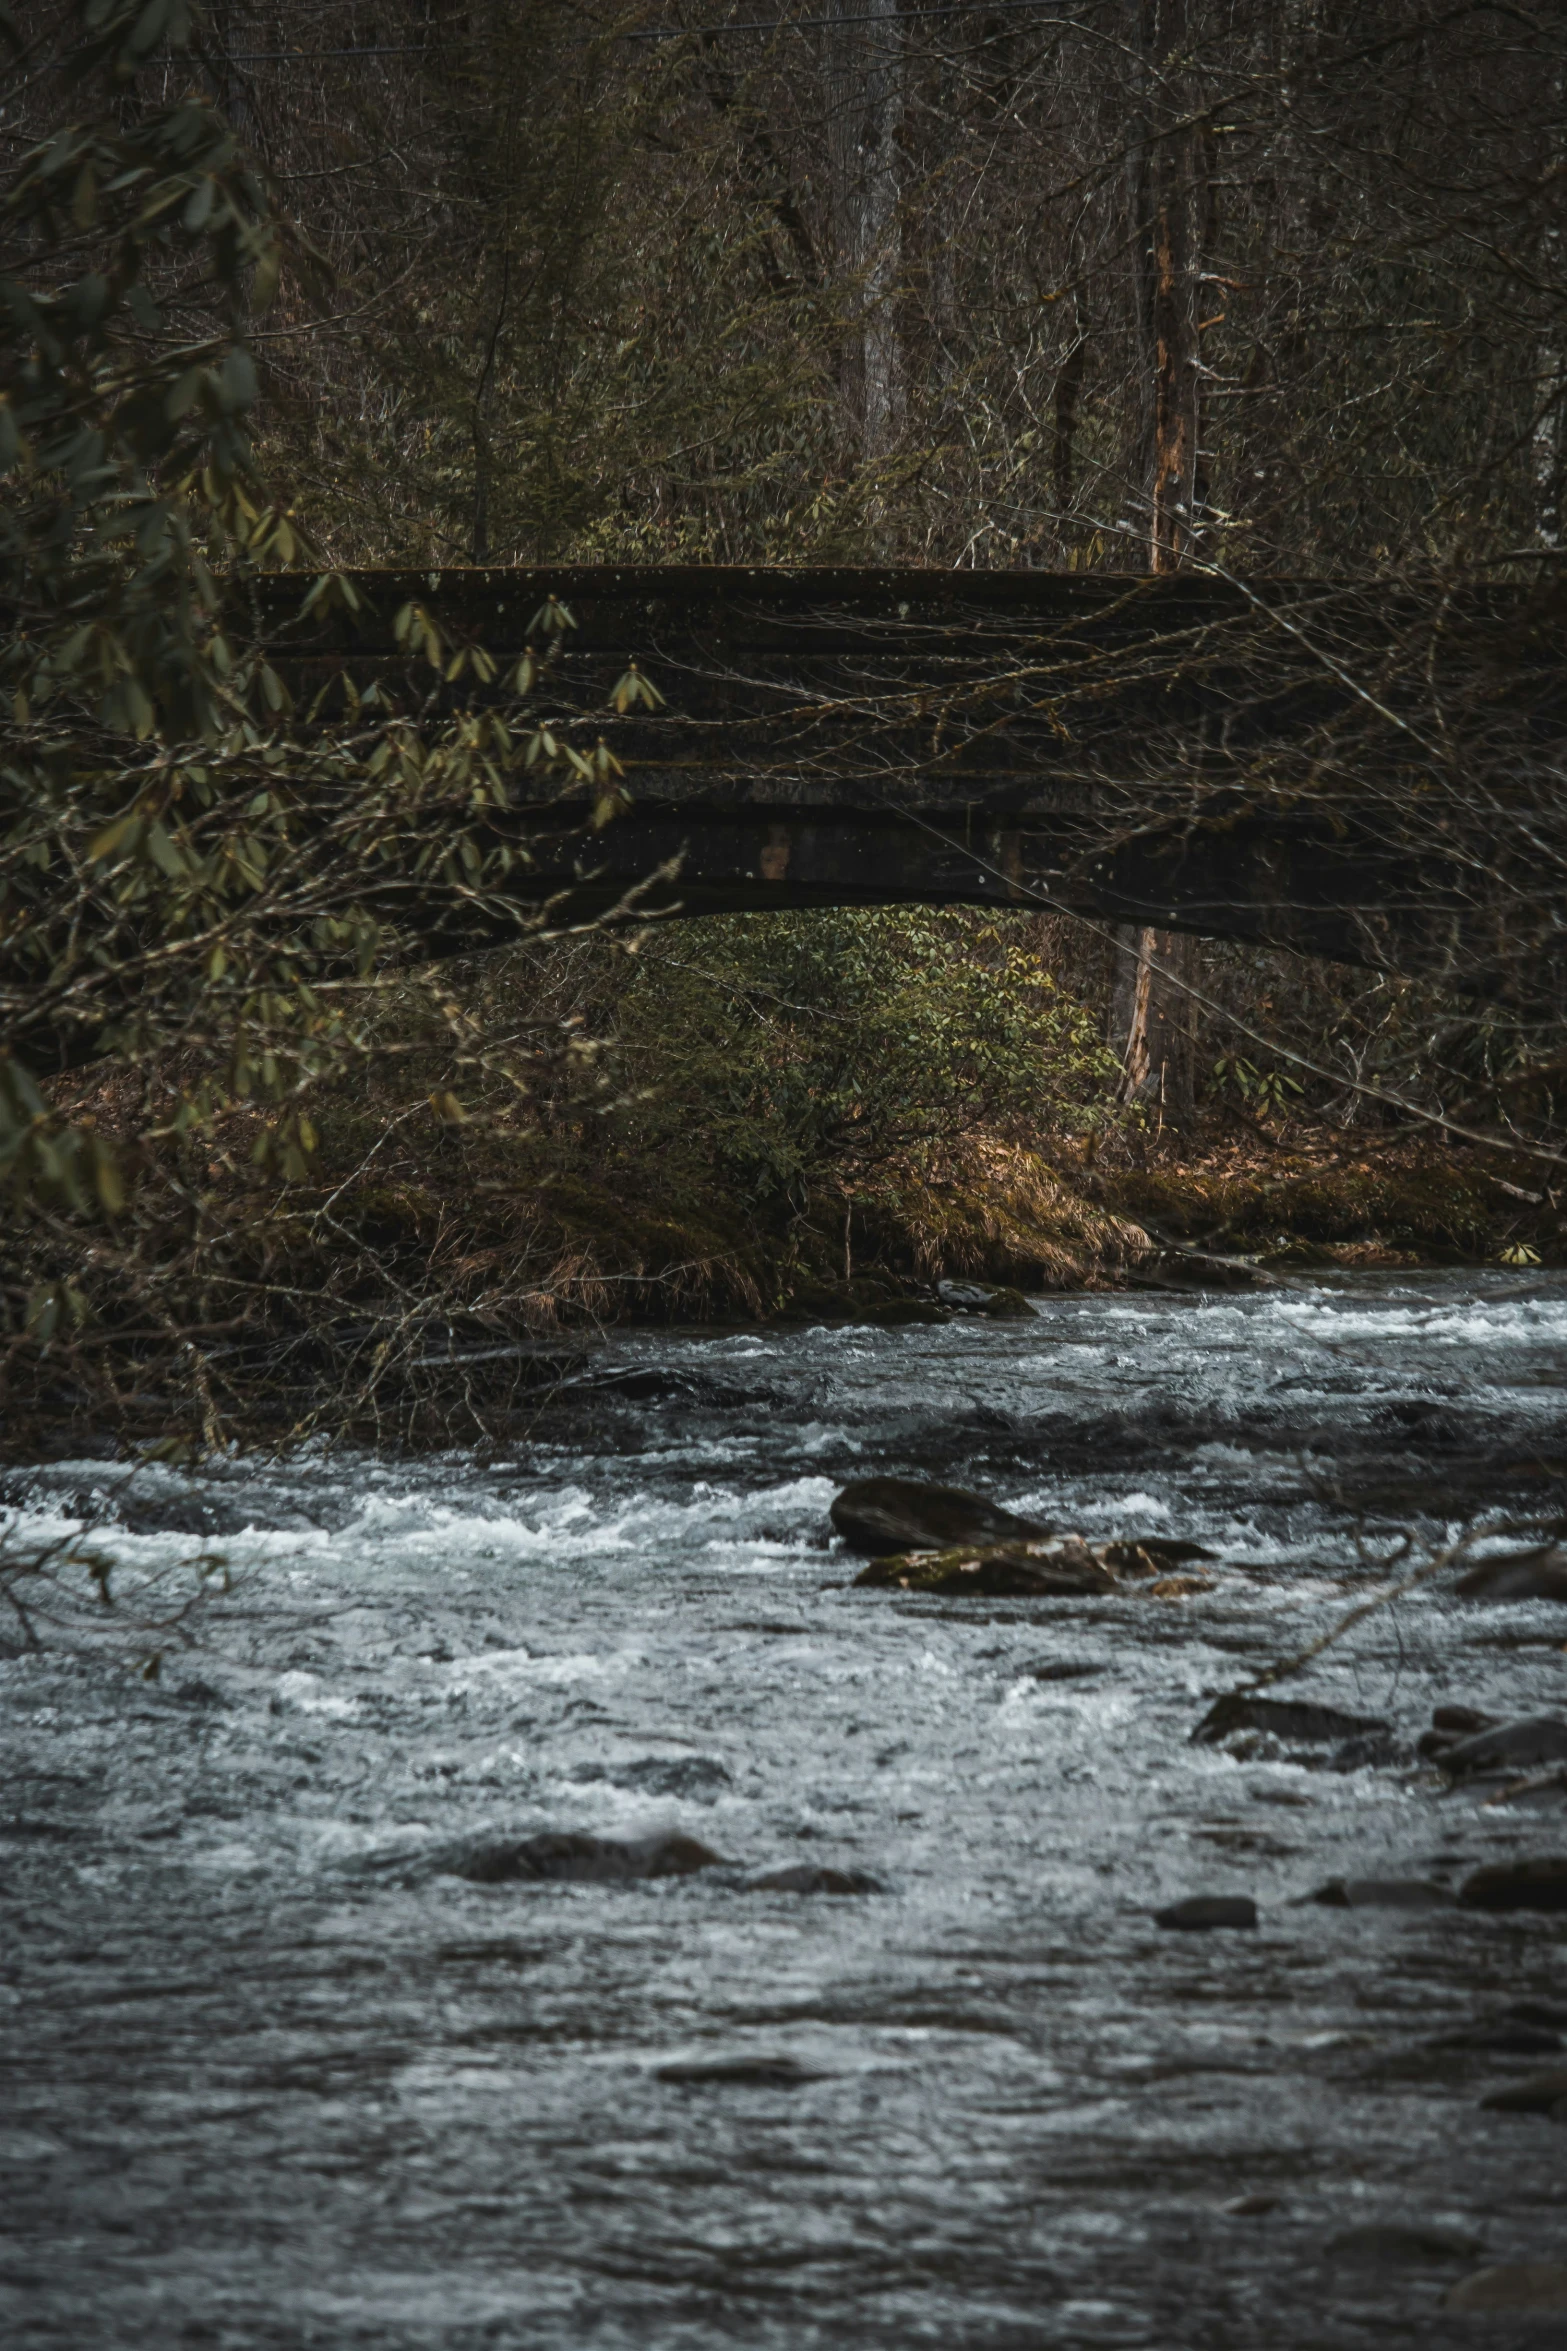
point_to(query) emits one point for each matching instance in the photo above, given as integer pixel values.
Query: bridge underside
(1316, 897)
(1329, 768)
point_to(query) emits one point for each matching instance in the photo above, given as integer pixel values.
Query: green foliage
(1266, 1092)
(844, 1050)
(195, 877)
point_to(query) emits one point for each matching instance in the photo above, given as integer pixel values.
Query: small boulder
(1537, 2093)
(1380, 1894)
(1287, 1718)
(1055, 1568)
(902, 1313)
(1389, 2244)
(1536, 1883)
(567, 1858)
(1504, 2039)
(876, 1516)
(999, 1302)
(801, 1878)
(1522, 2286)
(1450, 1725)
(1506, 1746)
(1540, 1574)
(1150, 1554)
(1199, 1912)
(773, 2073)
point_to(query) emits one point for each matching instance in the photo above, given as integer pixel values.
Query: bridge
(1295, 762)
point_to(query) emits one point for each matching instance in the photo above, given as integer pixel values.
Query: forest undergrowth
(751, 1118)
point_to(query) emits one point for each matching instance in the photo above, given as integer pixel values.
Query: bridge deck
(1194, 752)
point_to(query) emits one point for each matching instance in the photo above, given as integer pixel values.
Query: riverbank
(426, 1291)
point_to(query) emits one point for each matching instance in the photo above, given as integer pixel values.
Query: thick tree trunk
(865, 95)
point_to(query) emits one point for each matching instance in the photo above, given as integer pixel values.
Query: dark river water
(275, 2075)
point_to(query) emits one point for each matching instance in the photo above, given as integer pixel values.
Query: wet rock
(997, 1301)
(1387, 2244)
(774, 2073)
(1504, 2039)
(1521, 2286)
(1537, 2093)
(1450, 1725)
(801, 1878)
(1540, 1574)
(1544, 2012)
(565, 1857)
(898, 1313)
(1506, 1746)
(1196, 1269)
(1055, 1568)
(1150, 1554)
(698, 1777)
(1380, 1894)
(1200, 1912)
(876, 1516)
(1287, 1718)
(1539, 1882)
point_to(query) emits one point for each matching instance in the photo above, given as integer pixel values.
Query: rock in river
(1380, 1894)
(880, 1515)
(1540, 1574)
(1523, 2286)
(1537, 2093)
(1390, 2243)
(771, 2073)
(564, 1857)
(999, 1302)
(1201, 1911)
(1538, 1882)
(801, 1877)
(1060, 1567)
(1502, 1746)
(1287, 1718)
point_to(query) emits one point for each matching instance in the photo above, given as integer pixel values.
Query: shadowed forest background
(1267, 288)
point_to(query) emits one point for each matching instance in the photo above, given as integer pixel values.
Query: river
(277, 2075)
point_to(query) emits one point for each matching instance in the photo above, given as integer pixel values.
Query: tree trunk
(1155, 1019)
(1155, 1023)
(1168, 172)
(865, 96)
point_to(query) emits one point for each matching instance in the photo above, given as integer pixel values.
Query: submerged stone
(1286, 1718)
(1380, 1894)
(1509, 1746)
(802, 1878)
(876, 1516)
(566, 1857)
(1538, 1882)
(1505, 2039)
(1537, 2093)
(777, 2073)
(1388, 2243)
(1540, 1574)
(1522, 2286)
(1200, 1912)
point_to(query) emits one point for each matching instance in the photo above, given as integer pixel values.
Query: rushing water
(275, 2076)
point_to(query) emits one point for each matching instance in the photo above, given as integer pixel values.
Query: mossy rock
(899, 1313)
(1055, 1568)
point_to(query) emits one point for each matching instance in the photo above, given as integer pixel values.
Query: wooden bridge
(1275, 761)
